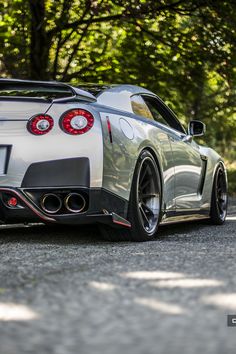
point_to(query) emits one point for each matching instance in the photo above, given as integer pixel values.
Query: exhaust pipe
(75, 202)
(51, 203)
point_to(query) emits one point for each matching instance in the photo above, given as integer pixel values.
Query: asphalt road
(66, 291)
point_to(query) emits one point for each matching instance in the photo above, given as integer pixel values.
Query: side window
(140, 108)
(162, 113)
(150, 102)
(152, 108)
(145, 106)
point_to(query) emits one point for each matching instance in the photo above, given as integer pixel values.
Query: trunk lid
(22, 99)
(21, 110)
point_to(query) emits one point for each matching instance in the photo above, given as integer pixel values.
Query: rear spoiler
(10, 87)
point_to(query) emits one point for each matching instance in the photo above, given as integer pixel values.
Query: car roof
(119, 97)
(114, 95)
(97, 89)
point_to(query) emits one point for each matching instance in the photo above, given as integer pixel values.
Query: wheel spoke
(144, 206)
(144, 215)
(143, 174)
(148, 195)
(144, 185)
(220, 208)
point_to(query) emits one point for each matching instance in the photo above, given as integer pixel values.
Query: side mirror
(196, 128)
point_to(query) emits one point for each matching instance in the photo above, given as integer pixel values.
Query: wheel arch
(219, 202)
(154, 155)
(218, 164)
(156, 159)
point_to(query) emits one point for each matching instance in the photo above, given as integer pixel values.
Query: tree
(182, 49)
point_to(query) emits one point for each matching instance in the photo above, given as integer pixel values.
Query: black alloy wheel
(219, 198)
(144, 205)
(148, 194)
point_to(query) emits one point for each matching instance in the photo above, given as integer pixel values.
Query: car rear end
(51, 155)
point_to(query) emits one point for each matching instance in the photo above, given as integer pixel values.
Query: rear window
(44, 91)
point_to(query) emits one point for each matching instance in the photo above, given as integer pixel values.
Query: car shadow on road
(89, 234)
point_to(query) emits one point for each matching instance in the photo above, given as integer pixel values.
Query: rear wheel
(219, 199)
(144, 204)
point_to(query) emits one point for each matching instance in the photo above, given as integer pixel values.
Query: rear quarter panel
(130, 136)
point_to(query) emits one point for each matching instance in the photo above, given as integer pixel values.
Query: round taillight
(40, 124)
(76, 121)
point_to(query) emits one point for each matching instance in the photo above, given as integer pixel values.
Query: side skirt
(183, 215)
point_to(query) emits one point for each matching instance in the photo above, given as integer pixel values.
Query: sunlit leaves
(182, 49)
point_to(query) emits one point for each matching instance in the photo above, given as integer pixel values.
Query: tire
(144, 204)
(219, 198)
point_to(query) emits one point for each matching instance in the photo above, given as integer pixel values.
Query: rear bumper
(56, 173)
(53, 159)
(101, 206)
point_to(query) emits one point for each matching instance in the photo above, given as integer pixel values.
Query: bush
(232, 181)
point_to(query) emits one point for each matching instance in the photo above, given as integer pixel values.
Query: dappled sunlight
(16, 312)
(231, 218)
(187, 283)
(102, 286)
(227, 301)
(151, 275)
(171, 279)
(160, 306)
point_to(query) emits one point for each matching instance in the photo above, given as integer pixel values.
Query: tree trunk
(39, 42)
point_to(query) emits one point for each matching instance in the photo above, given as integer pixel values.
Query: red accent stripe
(38, 213)
(121, 223)
(109, 129)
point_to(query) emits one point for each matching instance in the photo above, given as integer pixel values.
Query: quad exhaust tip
(51, 203)
(75, 202)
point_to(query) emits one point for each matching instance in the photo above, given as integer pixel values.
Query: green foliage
(232, 181)
(184, 50)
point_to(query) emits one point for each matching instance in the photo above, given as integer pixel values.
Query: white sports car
(112, 155)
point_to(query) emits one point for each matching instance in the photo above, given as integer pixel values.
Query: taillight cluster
(74, 122)
(40, 124)
(77, 121)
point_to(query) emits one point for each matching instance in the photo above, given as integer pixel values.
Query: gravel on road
(64, 290)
